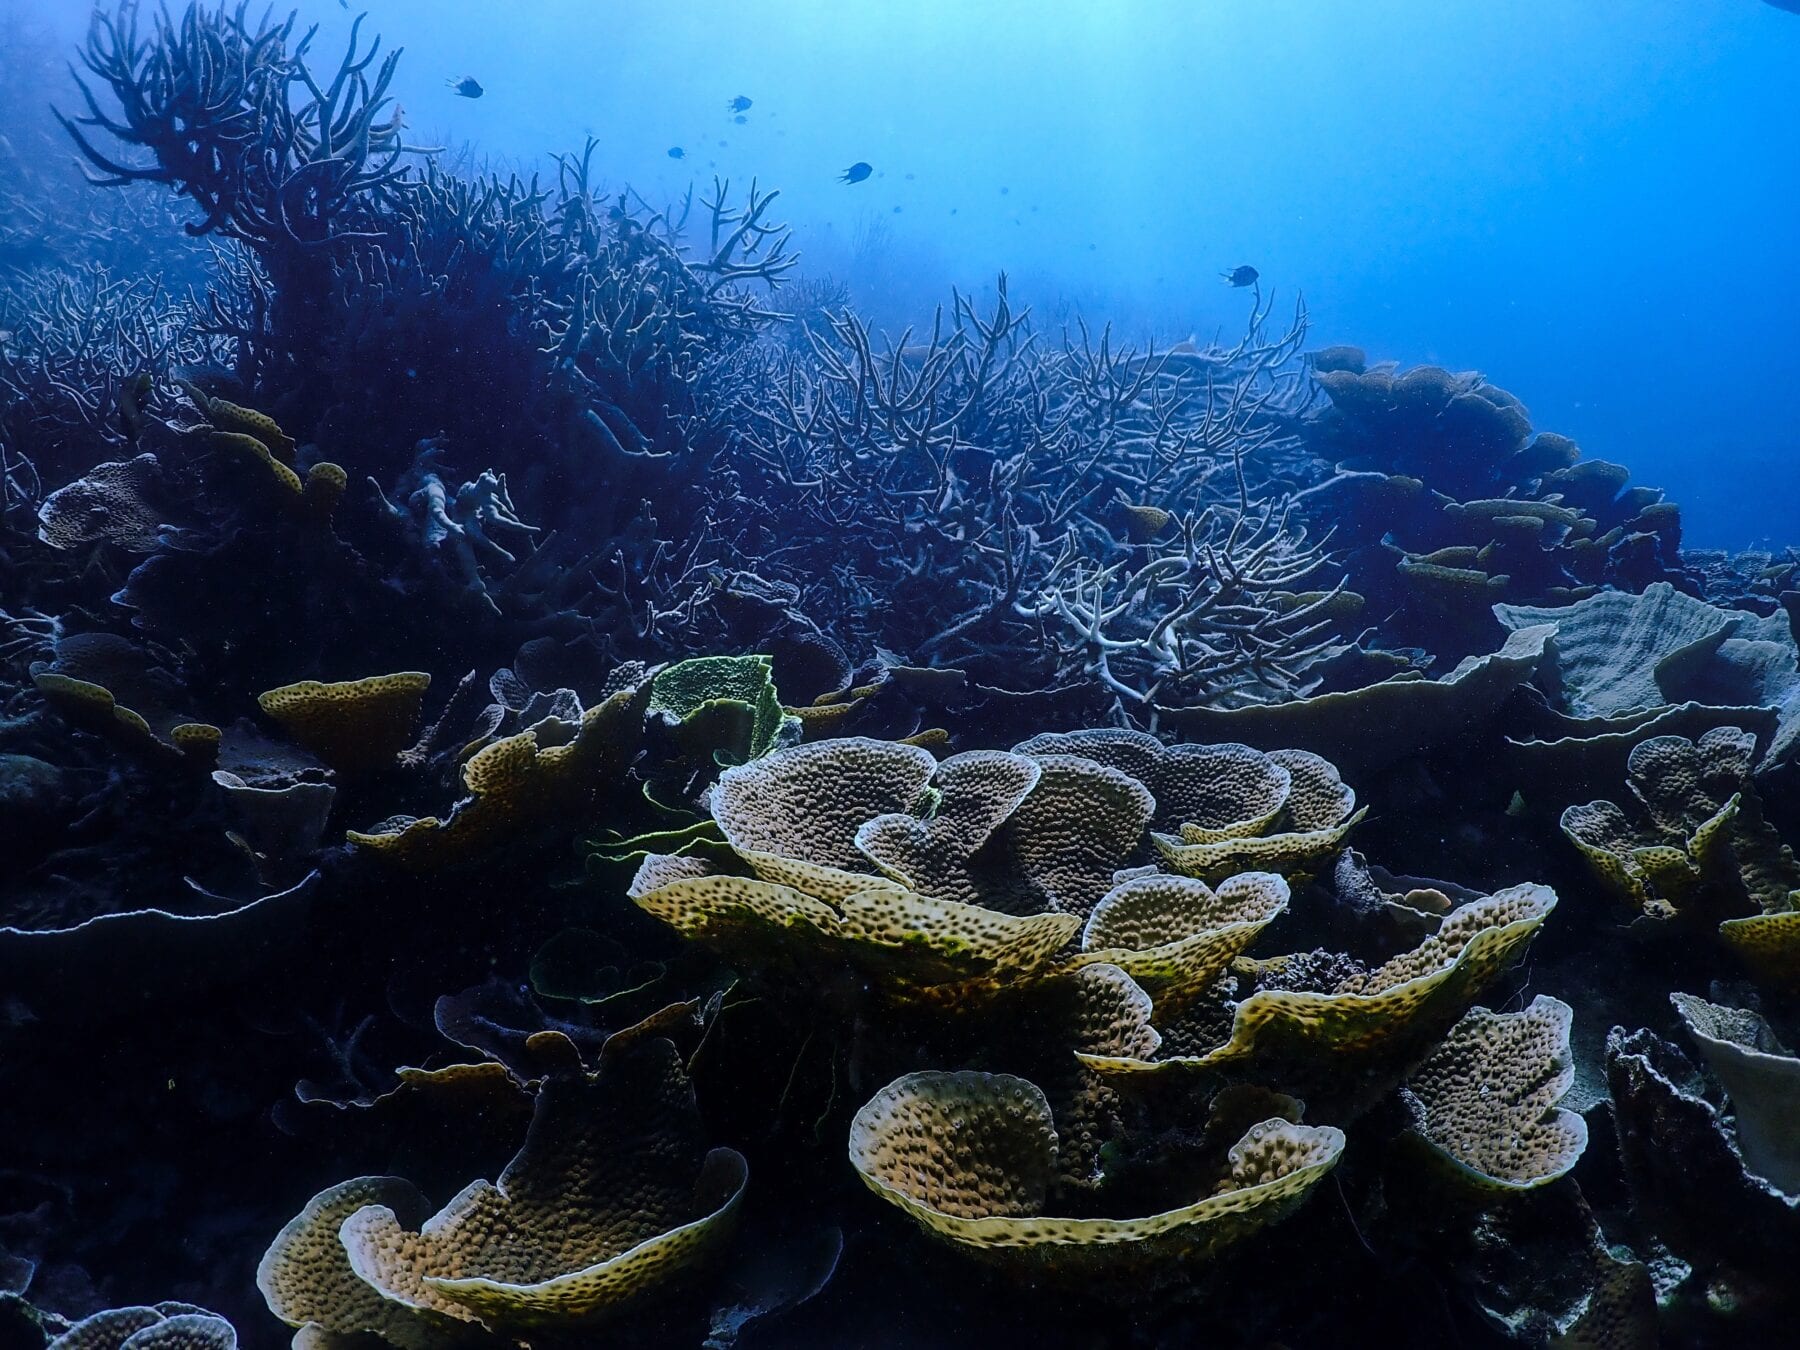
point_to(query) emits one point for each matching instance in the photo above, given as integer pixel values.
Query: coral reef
(489, 671)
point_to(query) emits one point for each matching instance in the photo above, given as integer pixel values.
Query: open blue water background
(1596, 202)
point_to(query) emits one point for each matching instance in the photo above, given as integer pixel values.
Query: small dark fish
(1241, 276)
(856, 172)
(676, 152)
(740, 119)
(468, 86)
(740, 104)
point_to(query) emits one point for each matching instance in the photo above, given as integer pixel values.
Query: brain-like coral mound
(159, 1326)
(972, 1157)
(1486, 1097)
(612, 1194)
(354, 726)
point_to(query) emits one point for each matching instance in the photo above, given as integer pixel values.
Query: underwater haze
(1593, 204)
(732, 676)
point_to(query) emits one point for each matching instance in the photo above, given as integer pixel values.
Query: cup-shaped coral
(1768, 943)
(355, 726)
(962, 876)
(1231, 808)
(1698, 845)
(1486, 1098)
(1176, 935)
(545, 777)
(1762, 1079)
(972, 1157)
(612, 1194)
(1381, 1016)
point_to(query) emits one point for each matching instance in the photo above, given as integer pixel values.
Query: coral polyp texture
(508, 665)
(163, 1326)
(1487, 1097)
(1364, 1022)
(971, 1157)
(612, 1194)
(354, 726)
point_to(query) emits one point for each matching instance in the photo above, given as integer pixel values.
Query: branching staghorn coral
(71, 366)
(1210, 618)
(995, 484)
(457, 526)
(234, 118)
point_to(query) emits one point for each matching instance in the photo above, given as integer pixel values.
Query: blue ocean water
(1594, 204)
(491, 462)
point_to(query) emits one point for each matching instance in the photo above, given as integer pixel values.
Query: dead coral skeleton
(457, 525)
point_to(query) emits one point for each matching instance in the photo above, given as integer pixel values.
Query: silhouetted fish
(1241, 276)
(676, 152)
(856, 172)
(740, 119)
(468, 86)
(740, 104)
